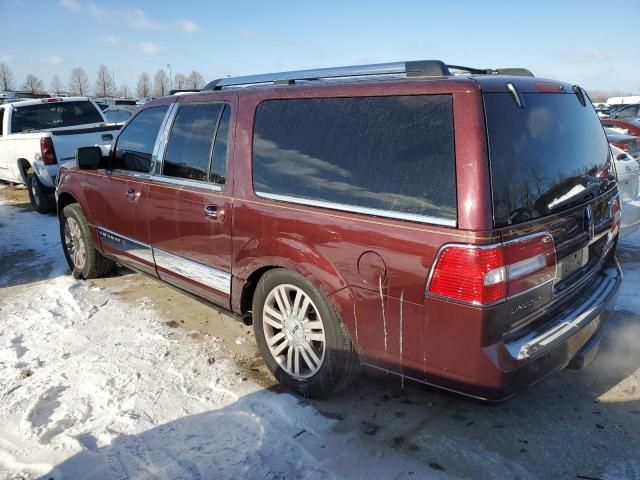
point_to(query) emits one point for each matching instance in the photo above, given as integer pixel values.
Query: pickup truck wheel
(83, 258)
(41, 197)
(300, 336)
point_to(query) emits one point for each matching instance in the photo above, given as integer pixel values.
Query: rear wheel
(83, 258)
(300, 336)
(41, 197)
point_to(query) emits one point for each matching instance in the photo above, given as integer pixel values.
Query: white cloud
(98, 12)
(5, 57)
(585, 55)
(188, 26)
(150, 48)
(137, 19)
(109, 40)
(54, 60)
(72, 5)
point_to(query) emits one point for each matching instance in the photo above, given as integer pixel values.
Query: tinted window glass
(1, 121)
(545, 157)
(189, 148)
(136, 142)
(219, 160)
(54, 115)
(117, 115)
(383, 153)
(628, 112)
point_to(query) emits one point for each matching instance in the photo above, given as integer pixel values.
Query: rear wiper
(582, 195)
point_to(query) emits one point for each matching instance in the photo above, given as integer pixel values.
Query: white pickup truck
(37, 136)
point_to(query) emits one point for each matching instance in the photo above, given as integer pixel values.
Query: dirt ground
(575, 424)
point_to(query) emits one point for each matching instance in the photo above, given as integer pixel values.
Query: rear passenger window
(219, 160)
(188, 153)
(135, 143)
(390, 156)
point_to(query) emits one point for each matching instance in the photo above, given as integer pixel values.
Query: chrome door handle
(214, 213)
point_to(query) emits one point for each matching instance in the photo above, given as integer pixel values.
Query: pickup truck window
(135, 143)
(54, 115)
(1, 122)
(188, 151)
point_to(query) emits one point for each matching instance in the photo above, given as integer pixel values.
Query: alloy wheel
(294, 331)
(74, 243)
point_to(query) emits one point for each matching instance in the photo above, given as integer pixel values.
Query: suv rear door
(190, 212)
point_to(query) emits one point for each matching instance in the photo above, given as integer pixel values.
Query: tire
(40, 196)
(83, 258)
(315, 331)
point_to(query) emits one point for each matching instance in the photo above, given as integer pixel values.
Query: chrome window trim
(130, 173)
(183, 182)
(355, 209)
(203, 274)
(162, 139)
(128, 245)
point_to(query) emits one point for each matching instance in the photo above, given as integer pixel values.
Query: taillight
(489, 274)
(47, 151)
(615, 214)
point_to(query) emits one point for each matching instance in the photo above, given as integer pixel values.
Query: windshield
(550, 155)
(54, 115)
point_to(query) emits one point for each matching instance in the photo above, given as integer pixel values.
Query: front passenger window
(135, 144)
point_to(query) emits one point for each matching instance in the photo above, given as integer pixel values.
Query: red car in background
(632, 126)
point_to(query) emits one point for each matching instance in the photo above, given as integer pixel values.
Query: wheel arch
(64, 199)
(23, 166)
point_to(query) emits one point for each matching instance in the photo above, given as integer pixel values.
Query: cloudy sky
(575, 41)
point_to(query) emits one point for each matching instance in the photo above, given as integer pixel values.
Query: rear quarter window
(390, 156)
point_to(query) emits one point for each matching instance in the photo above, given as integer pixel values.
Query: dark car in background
(630, 144)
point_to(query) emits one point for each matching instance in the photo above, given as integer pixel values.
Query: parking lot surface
(123, 377)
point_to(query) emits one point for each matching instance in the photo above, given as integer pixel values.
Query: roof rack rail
(179, 91)
(516, 71)
(420, 68)
(417, 68)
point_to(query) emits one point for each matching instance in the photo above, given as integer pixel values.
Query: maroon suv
(458, 230)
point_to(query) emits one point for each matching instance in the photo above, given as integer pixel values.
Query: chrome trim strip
(203, 274)
(538, 342)
(355, 209)
(183, 182)
(131, 174)
(161, 140)
(129, 246)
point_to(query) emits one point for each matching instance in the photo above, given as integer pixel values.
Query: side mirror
(88, 158)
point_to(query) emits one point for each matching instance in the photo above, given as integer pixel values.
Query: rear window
(390, 156)
(548, 156)
(54, 115)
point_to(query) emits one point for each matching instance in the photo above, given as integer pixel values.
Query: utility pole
(170, 77)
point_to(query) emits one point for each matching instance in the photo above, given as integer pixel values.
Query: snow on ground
(92, 387)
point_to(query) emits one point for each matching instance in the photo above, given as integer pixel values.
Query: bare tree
(33, 84)
(105, 86)
(195, 80)
(124, 91)
(79, 82)
(56, 85)
(179, 81)
(143, 88)
(6, 78)
(161, 84)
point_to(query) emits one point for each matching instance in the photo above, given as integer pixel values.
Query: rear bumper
(554, 345)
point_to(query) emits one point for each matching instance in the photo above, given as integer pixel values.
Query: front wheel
(41, 197)
(300, 336)
(81, 255)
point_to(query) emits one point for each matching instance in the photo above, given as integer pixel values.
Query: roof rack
(418, 68)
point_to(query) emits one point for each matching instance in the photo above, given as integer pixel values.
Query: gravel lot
(181, 391)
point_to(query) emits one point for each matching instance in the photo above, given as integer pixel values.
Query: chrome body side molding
(203, 274)
(129, 246)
